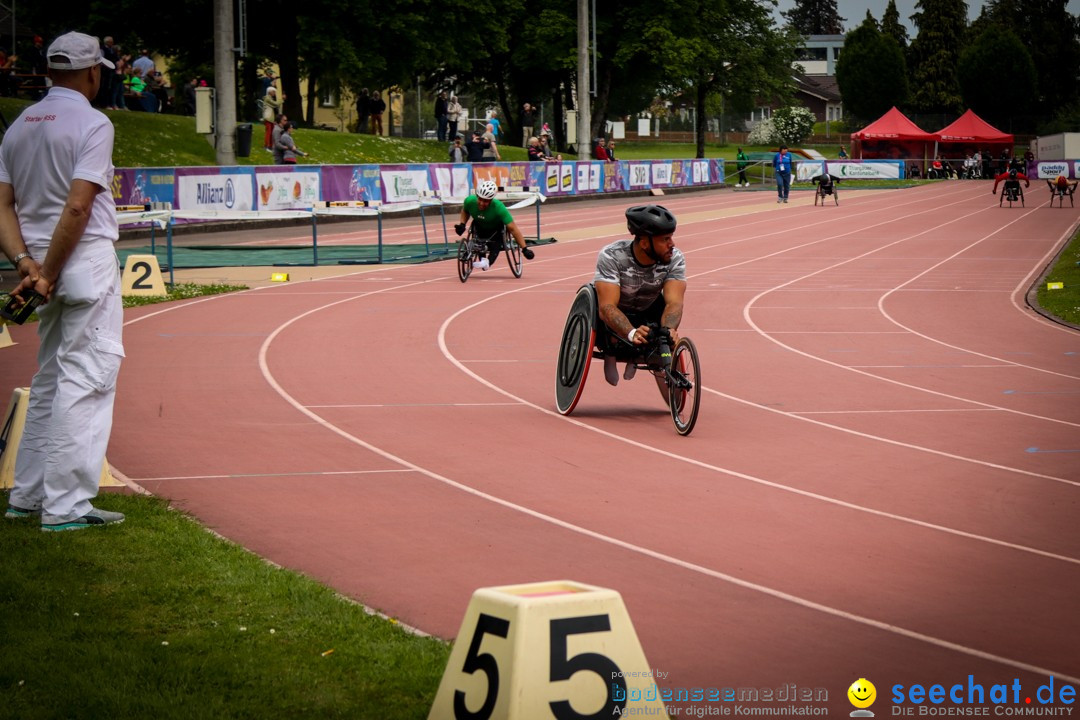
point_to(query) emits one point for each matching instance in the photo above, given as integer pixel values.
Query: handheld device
(18, 313)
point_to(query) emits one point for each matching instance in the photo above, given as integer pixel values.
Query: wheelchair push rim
(575, 351)
(684, 392)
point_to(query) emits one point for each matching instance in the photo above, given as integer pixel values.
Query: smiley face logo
(862, 693)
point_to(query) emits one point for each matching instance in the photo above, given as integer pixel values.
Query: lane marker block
(557, 649)
(279, 277)
(11, 425)
(5, 336)
(142, 277)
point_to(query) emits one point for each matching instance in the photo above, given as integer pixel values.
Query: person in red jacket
(600, 153)
(1012, 180)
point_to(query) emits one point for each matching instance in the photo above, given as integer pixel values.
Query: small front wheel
(685, 388)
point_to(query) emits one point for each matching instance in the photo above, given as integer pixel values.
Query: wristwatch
(19, 258)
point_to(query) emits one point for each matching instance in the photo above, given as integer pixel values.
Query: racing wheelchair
(586, 336)
(1011, 192)
(472, 249)
(1061, 191)
(823, 190)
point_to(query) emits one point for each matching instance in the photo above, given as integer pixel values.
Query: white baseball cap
(75, 51)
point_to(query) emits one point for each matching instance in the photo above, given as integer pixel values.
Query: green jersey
(490, 221)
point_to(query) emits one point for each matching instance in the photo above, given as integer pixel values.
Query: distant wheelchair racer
(490, 219)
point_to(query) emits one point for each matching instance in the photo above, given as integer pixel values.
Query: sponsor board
(287, 190)
(215, 192)
(404, 185)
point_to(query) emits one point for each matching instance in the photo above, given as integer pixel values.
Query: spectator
(271, 109)
(119, 79)
(491, 150)
(454, 113)
(599, 151)
(7, 67)
(741, 161)
(441, 115)
(545, 148)
(275, 139)
(528, 122)
(60, 239)
(842, 154)
(987, 162)
(496, 126)
(610, 150)
(143, 63)
(157, 91)
(189, 96)
(458, 153)
(111, 52)
(536, 154)
(38, 66)
(376, 107)
(266, 82)
(475, 147)
(363, 109)
(289, 149)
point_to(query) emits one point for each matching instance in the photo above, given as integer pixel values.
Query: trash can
(243, 140)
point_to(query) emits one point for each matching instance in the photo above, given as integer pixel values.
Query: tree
(871, 72)
(935, 52)
(997, 53)
(1052, 36)
(891, 25)
(815, 17)
(730, 54)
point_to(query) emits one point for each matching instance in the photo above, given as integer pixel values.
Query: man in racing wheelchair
(1011, 189)
(640, 281)
(1061, 188)
(826, 185)
(490, 217)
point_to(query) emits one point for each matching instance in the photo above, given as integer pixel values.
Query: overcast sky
(854, 11)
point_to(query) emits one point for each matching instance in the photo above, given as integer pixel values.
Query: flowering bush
(762, 134)
(792, 125)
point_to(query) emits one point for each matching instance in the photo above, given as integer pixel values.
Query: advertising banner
(661, 173)
(809, 169)
(1051, 169)
(616, 176)
(877, 169)
(215, 188)
(639, 175)
(288, 188)
(452, 181)
(138, 186)
(351, 183)
(404, 183)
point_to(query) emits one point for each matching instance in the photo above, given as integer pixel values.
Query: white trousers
(69, 416)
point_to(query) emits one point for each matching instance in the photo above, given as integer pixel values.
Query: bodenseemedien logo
(862, 695)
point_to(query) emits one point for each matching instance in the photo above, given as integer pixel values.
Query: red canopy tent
(892, 136)
(970, 133)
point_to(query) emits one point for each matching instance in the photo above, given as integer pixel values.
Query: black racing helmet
(650, 220)
(1012, 174)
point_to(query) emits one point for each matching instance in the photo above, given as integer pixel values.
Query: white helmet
(487, 190)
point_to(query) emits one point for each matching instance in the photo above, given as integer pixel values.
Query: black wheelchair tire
(576, 350)
(513, 254)
(464, 258)
(685, 404)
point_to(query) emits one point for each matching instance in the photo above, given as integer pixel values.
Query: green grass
(158, 618)
(1064, 303)
(177, 291)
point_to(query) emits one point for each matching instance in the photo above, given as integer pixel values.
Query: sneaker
(16, 513)
(785, 199)
(481, 264)
(629, 372)
(529, 254)
(611, 370)
(90, 519)
(779, 200)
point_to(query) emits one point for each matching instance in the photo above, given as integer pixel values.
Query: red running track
(884, 480)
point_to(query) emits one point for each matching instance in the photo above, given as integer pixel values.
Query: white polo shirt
(53, 142)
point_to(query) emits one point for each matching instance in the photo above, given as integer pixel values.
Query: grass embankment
(1064, 303)
(158, 618)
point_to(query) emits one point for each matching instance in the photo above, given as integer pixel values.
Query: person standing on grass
(58, 226)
